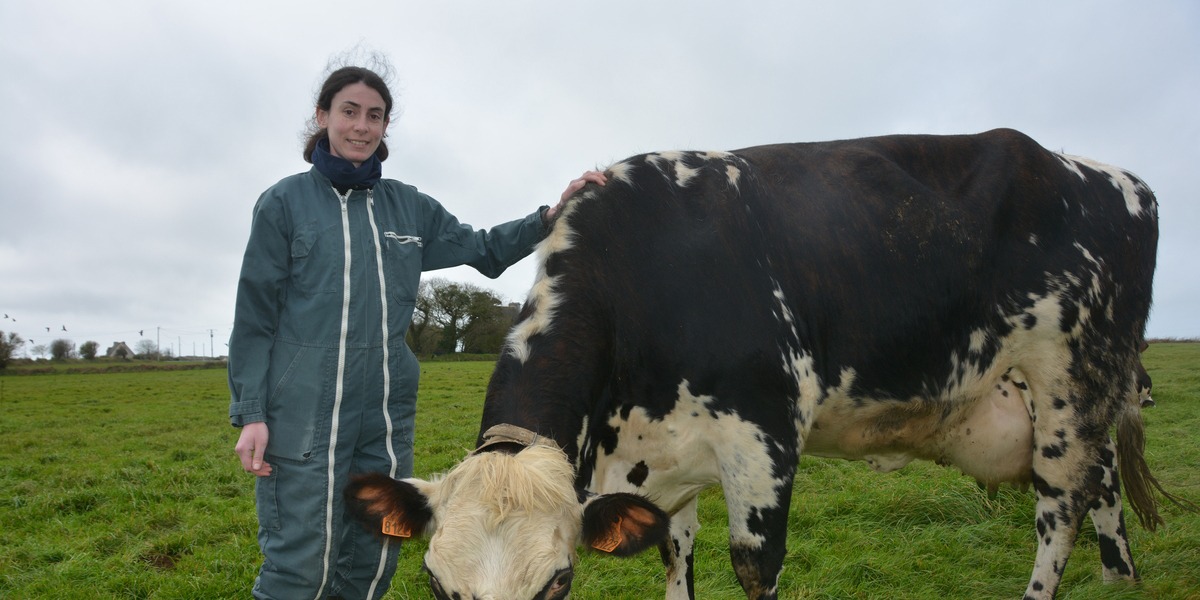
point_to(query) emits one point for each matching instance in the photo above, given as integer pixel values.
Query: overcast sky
(137, 136)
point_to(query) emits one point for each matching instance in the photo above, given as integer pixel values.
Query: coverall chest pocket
(317, 257)
(402, 254)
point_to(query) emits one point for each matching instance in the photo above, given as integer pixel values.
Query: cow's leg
(1068, 474)
(1109, 521)
(1057, 527)
(758, 531)
(677, 553)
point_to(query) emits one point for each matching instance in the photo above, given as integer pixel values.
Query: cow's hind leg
(677, 553)
(1073, 469)
(1109, 521)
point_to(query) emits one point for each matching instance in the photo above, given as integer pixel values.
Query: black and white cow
(707, 317)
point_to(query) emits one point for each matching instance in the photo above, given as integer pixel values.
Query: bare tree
(146, 348)
(62, 349)
(9, 344)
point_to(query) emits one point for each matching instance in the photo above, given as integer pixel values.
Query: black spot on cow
(1070, 316)
(1044, 488)
(1110, 555)
(637, 475)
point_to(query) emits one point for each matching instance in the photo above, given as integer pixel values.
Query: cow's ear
(623, 524)
(387, 506)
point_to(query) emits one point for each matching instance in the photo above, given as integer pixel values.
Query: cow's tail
(1140, 483)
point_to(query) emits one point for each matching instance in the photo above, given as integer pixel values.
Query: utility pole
(210, 344)
(158, 343)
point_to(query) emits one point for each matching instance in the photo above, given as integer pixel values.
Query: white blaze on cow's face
(505, 526)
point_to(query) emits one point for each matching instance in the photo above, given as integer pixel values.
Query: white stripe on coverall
(387, 375)
(337, 397)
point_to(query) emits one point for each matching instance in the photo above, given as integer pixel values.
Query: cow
(707, 317)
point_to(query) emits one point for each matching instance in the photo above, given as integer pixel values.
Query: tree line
(451, 317)
(448, 317)
(60, 349)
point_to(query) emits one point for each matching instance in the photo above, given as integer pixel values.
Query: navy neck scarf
(342, 173)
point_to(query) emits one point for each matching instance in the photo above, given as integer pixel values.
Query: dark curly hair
(336, 81)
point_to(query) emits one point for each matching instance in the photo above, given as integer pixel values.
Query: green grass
(105, 365)
(125, 485)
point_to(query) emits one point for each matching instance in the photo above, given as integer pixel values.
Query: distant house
(511, 312)
(120, 350)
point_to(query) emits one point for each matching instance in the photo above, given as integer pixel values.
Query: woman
(322, 382)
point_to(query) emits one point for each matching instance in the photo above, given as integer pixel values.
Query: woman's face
(356, 121)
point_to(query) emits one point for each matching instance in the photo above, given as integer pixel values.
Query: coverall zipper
(338, 387)
(387, 374)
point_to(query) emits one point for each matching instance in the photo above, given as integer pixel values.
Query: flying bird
(140, 331)
(64, 327)
(47, 329)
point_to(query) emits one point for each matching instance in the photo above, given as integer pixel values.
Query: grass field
(125, 485)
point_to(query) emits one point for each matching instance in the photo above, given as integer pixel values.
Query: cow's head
(505, 525)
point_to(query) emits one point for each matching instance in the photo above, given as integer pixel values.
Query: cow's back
(898, 249)
(890, 254)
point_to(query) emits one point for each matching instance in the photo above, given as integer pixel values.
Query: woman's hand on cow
(577, 184)
(251, 447)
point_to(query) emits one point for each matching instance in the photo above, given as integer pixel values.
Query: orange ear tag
(609, 542)
(394, 526)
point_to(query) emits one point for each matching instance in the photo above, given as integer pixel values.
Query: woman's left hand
(595, 177)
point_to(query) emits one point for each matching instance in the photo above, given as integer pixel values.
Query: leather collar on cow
(505, 433)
